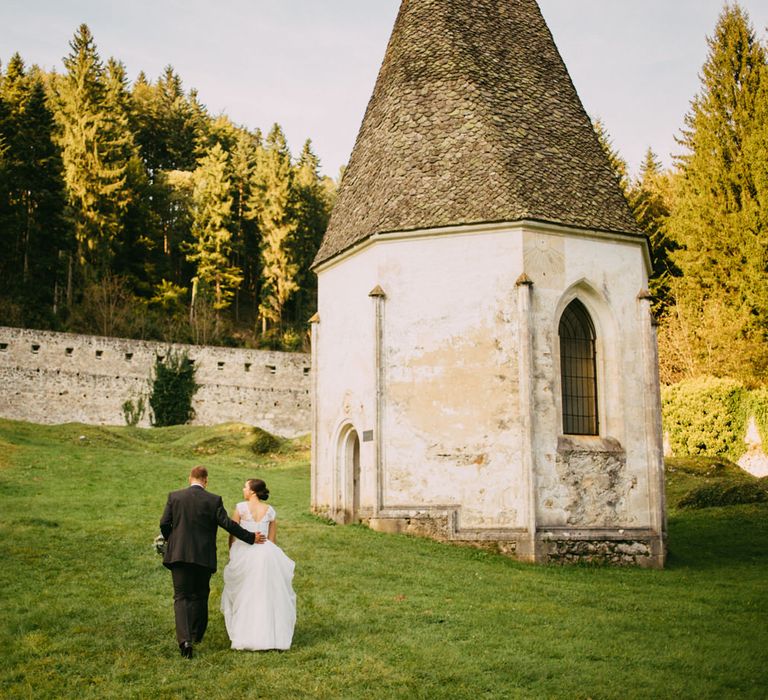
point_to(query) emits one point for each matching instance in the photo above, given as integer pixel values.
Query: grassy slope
(87, 611)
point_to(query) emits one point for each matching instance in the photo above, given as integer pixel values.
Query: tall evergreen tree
(7, 230)
(169, 130)
(756, 153)
(168, 123)
(92, 150)
(244, 160)
(15, 93)
(45, 229)
(131, 245)
(35, 225)
(717, 219)
(274, 208)
(649, 199)
(312, 213)
(212, 243)
(618, 164)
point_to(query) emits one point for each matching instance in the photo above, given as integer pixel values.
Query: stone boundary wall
(48, 377)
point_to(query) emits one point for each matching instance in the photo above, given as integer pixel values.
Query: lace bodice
(248, 522)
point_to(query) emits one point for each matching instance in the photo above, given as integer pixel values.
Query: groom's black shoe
(186, 650)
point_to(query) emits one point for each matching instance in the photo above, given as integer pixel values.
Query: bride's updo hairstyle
(259, 488)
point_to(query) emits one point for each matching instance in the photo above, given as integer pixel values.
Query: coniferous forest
(129, 210)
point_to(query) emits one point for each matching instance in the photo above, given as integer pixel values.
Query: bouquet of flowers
(160, 544)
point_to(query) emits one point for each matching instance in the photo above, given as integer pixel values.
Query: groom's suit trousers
(191, 587)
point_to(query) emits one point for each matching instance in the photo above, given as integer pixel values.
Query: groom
(189, 524)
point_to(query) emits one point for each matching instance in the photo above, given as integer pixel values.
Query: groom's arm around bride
(189, 523)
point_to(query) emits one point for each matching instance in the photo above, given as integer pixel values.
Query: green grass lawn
(87, 610)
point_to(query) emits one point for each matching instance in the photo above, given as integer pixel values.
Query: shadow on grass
(718, 537)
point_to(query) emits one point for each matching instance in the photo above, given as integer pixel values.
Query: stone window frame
(578, 371)
(609, 403)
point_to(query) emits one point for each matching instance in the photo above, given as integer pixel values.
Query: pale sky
(310, 65)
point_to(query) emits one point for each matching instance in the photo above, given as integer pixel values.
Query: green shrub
(758, 407)
(133, 411)
(726, 494)
(291, 341)
(709, 416)
(173, 387)
(706, 417)
(264, 442)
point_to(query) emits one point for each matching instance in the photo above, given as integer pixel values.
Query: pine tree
(15, 83)
(243, 164)
(756, 153)
(93, 154)
(212, 237)
(169, 130)
(274, 208)
(649, 199)
(312, 213)
(117, 108)
(617, 163)
(131, 244)
(46, 232)
(717, 218)
(169, 124)
(15, 94)
(7, 231)
(35, 225)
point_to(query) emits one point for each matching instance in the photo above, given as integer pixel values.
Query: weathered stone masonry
(48, 377)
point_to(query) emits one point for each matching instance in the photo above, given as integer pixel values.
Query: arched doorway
(349, 475)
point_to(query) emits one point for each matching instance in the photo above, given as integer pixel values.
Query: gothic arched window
(578, 375)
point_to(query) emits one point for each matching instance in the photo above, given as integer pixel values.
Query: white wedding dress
(258, 600)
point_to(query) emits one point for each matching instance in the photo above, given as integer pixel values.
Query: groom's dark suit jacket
(189, 523)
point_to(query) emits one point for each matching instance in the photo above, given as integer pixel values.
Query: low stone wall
(48, 377)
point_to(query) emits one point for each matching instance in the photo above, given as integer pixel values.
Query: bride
(258, 600)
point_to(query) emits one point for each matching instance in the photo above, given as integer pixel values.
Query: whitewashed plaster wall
(451, 428)
(452, 433)
(48, 377)
(344, 366)
(607, 276)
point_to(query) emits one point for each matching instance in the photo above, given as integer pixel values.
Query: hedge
(709, 416)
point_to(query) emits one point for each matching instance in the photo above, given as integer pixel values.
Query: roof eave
(531, 223)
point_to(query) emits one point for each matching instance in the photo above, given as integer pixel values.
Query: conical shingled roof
(473, 119)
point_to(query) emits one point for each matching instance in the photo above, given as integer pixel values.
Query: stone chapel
(484, 355)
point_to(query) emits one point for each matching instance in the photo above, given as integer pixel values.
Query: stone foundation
(605, 547)
(606, 552)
